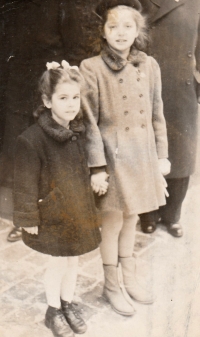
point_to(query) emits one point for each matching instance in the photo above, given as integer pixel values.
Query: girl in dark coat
(53, 201)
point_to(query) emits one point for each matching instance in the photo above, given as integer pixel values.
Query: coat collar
(57, 131)
(165, 6)
(116, 62)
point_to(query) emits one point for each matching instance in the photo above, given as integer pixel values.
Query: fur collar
(57, 131)
(116, 62)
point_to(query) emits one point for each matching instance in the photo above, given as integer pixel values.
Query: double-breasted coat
(175, 44)
(126, 128)
(52, 189)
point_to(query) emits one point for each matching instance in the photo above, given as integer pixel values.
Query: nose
(121, 31)
(71, 102)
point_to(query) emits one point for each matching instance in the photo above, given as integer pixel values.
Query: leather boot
(133, 288)
(55, 320)
(73, 318)
(113, 293)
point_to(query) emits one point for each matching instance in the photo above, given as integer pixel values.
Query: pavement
(168, 266)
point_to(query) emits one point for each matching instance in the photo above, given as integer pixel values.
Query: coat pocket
(51, 207)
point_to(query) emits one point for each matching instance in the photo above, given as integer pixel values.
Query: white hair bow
(64, 64)
(52, 65)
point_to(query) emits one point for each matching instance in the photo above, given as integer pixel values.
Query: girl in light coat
(126, 140)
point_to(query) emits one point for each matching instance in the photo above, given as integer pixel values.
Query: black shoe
(148, 226)
(72, 317)
(55, 320)
(175, 229)
(15, 235)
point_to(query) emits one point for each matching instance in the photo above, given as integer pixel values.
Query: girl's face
(65, 102)
(120, 30)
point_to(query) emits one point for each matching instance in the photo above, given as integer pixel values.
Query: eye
(63, 98)
(77, 97)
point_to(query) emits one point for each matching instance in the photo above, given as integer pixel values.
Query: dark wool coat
(175, 43)
(126, 128)
(52, 189)
(32, 33)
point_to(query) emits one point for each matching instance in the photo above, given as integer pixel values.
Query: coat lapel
(165, 6)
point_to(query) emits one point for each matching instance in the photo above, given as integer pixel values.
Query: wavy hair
(141, 41)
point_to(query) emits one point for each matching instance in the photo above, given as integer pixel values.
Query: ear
(46, 101)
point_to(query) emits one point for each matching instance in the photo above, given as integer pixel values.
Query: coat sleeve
(26, 180)
(90, 108)
(158, 119)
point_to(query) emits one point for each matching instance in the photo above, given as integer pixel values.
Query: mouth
(120, 40)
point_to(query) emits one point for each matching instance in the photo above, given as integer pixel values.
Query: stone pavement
(167, 265)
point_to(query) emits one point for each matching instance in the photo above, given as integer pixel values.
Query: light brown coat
(126, 128)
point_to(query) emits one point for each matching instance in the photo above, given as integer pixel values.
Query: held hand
(103, 188)
(31, 230)
(165, 186)
(99, 183)
(165, 166)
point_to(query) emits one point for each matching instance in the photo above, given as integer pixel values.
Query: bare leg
(127, 235)
(111, 227)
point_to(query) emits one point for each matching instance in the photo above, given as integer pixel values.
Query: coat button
(140, 95)
(189, 54)
(127, 128)
(121, 80)
(141, 111)
(142, 126)
(188, 82)
(124, 97)
(125, 112)
(74, 138)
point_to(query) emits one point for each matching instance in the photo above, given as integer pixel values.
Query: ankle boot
(113, 293)
(55, 320)
(135, 291)
(73, 318)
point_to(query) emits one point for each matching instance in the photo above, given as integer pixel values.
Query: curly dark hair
(49, 80)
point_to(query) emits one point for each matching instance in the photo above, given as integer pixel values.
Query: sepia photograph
(100, 168)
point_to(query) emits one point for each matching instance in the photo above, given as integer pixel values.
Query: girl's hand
(103, 188)
(99, 183)
(31, 230)
(165, 186)
(165, 166)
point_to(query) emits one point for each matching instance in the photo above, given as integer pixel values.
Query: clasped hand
(164, 166)
(99, 182)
